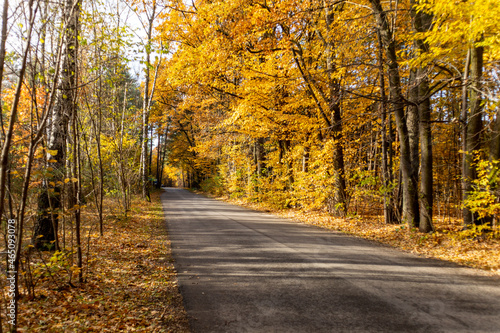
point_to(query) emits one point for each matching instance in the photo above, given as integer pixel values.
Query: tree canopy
(364, 107)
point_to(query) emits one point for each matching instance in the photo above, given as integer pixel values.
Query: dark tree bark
(158, 159)
(146, 107)
(421, 97)
(413, 121)
(260, 156)
(49, 201)
(334, 105)
(387, 175)
(474, 126)
(426, 181)
(397, 106)
(75, 190)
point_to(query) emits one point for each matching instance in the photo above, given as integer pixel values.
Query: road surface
(246, 271)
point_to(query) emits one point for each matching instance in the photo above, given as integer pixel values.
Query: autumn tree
(473, 29)
(147, 13)
(49, 201)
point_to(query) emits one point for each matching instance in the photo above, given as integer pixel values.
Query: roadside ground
(471, 248)
(130, 283)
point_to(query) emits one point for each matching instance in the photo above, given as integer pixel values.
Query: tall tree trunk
(74, 189)
(397, 107)
(387, 176)
(474, 127)
(101, 174)
(7, 136)
(158, 159)
(97, 128)
(422, 23)
(49, 201)
(163, 153)
(3, 40)
(77, 192)
(150, 158)
(144, 145)
(124, 182)
(426, 181)
(463, 121)
(413, 121)
(335, 99)
(146, 108)
(338, 160)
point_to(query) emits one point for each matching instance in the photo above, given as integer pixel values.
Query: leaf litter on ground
(450, 242)
(130, 282)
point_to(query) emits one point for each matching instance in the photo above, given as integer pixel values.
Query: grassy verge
(130, 283)
(471, 248)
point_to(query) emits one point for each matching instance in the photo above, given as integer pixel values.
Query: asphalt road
(246, 271)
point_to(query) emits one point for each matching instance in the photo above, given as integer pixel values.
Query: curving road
(246, 271)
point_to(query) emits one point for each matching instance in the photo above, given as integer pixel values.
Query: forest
(383, 109)
(387, 107)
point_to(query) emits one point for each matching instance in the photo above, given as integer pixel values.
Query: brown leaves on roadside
(130, 283)
(449, 242)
